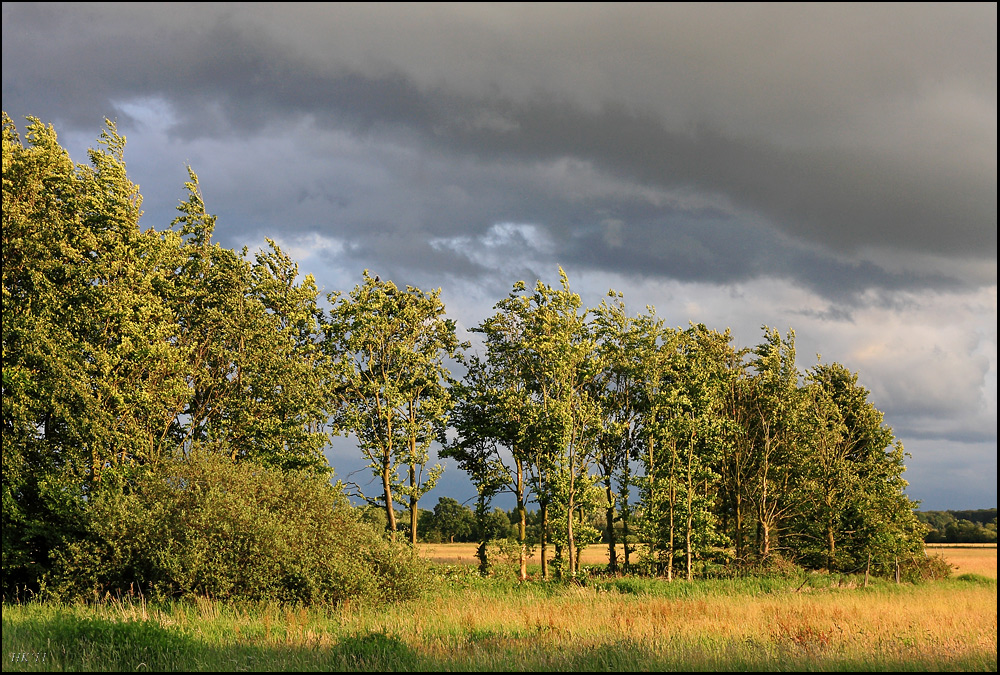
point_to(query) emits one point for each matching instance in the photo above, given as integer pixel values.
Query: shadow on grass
(64, 641)
(56, 639)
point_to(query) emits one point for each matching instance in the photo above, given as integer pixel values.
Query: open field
(964, 558)
(969, 558)
(465, 554)
(465, 623)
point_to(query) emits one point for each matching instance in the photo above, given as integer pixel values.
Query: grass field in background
(464, 623)
(969, 558)
(964, 558)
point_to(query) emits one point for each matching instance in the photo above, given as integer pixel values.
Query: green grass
(465, 623)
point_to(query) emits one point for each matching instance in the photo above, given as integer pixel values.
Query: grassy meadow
(465, 623)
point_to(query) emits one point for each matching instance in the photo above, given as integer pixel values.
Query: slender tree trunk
(413, 506)
(543, 537)
(579, 550)
(571, 550)
(390, 513)
(738, 523)
(831, 547)
(690, 516)
(762, 514)
(484, 565)
(670, 537)
(522, 525)
(626, 515)
(609, 521)
(672, 494)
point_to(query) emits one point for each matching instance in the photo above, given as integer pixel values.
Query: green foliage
(851, 512)
(124, 348)
(739, 447)
(453, 520)
(966, 527)
(204, 526)
(389, 389)
(248, 332)
(628, 348)
(121, 345)
(531, 396)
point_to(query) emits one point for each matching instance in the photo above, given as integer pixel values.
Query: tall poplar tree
(249, 331)
(776, 434)
(492, 424)
(390, 382)
(853, 510)
(628, 347)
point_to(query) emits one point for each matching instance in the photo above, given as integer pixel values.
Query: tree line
(126, 351)
(978, 526)
(694, 444)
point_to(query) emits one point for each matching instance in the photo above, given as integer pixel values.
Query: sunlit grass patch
(969, 558)
(466, 623)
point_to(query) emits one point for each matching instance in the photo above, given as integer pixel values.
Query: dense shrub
(918, 568)
(206, 526)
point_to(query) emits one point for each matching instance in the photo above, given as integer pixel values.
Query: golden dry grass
(964, 558)
(469, 624)
(849, 625)
(462, 553)
(939, 625)
(969, 558)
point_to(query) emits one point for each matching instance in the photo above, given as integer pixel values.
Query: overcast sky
(826, 168)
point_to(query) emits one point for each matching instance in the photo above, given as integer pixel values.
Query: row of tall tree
(125, 347)
(574, 409)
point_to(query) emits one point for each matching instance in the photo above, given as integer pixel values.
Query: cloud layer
(826, 167)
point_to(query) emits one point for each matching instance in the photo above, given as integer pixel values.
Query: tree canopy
(132, 357)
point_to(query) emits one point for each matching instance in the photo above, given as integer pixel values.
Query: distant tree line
(133, 357)
(960, 527)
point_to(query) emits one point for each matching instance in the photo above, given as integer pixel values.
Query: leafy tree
(856, 471)
(735, 463)
(661, 374)
(390, 381)
(249, 330)
(492, 419)
(559, 365)
(121, 344)
(946, 526)
(529, 397)
(627, 347)
(969, 531)
(453, 520)
(89, 375)
(684, 432)
(705, 355)
(828, 481)
(981, 516)
(775, 432)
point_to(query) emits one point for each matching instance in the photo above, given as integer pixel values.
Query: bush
(922, 567)
(206, 526)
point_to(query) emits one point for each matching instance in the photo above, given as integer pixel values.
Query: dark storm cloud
(231, 72)
(827, 165)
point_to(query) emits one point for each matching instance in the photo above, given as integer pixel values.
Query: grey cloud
(238, 70)
(821, 159)
(842, 199)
